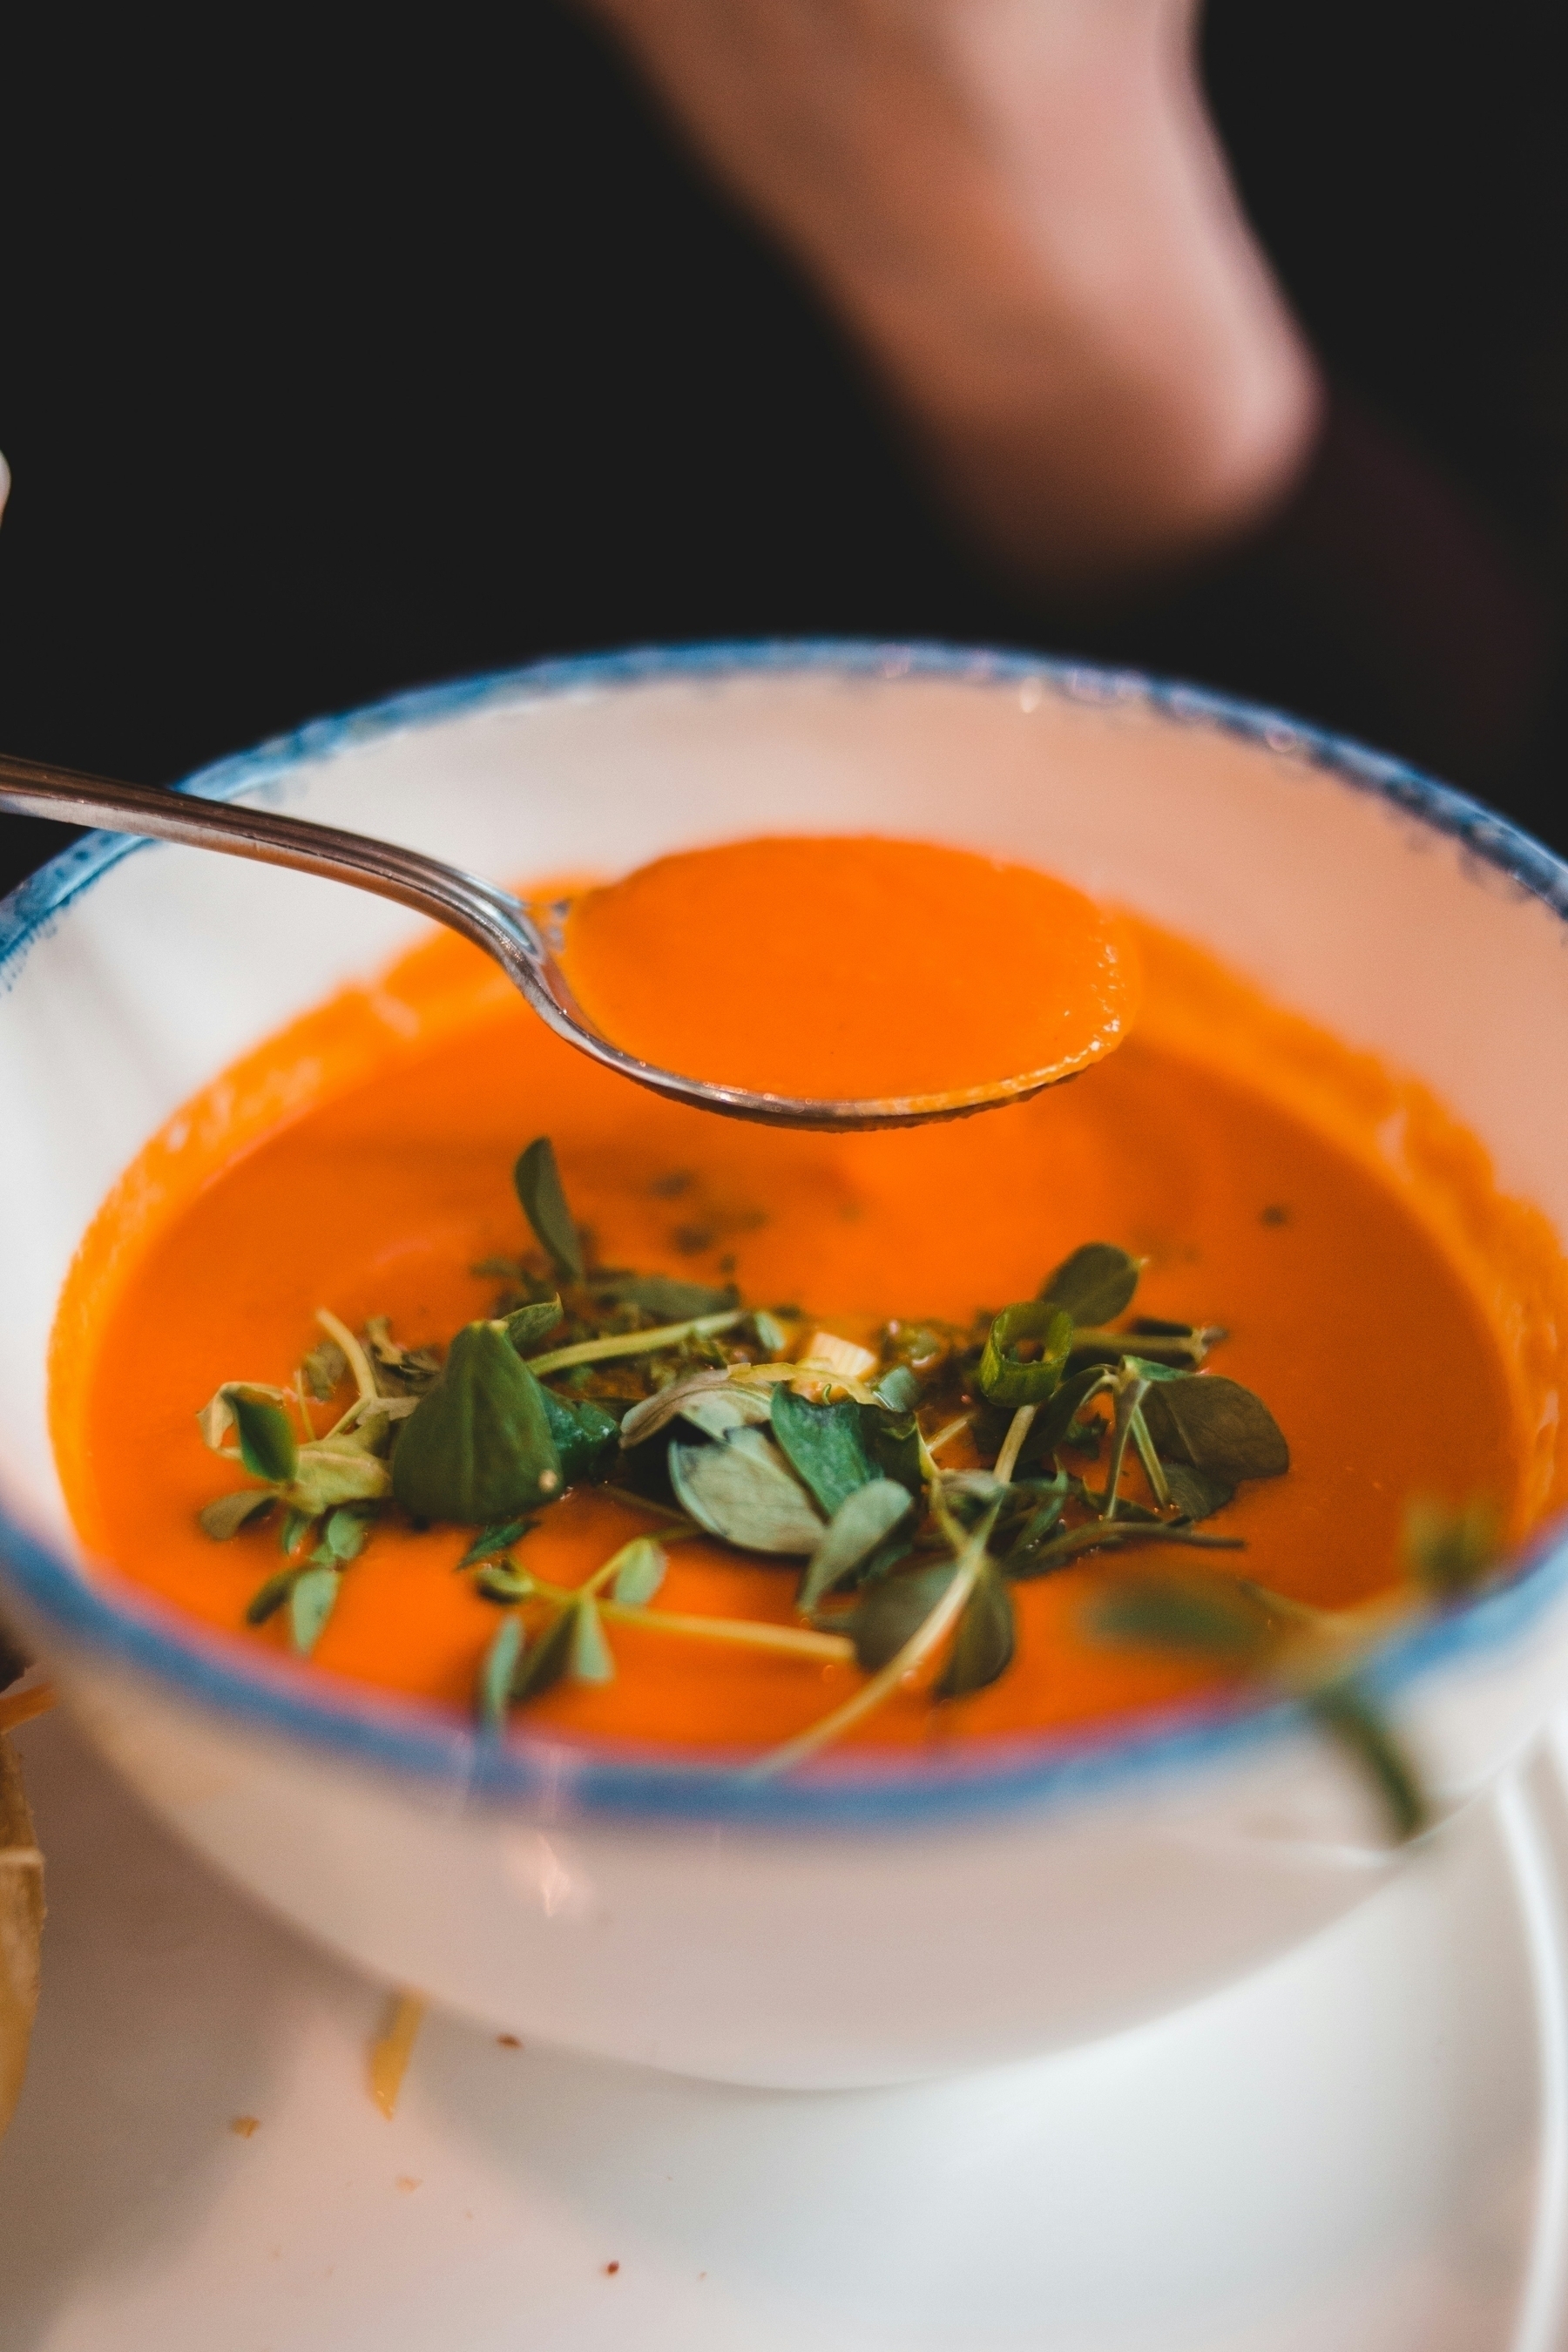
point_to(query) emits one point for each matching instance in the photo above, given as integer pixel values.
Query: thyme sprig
(910, 1488)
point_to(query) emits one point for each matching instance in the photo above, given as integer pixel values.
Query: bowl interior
(1396, 914)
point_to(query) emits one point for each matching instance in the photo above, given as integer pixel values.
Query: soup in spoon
(853, 968)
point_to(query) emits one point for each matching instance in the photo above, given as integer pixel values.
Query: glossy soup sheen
(1398, 1316)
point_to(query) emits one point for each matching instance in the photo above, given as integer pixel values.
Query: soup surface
(1398, 1314)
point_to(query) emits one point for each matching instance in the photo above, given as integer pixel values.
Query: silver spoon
(488, 916)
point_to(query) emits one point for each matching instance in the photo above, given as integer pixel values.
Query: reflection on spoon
(936, 981)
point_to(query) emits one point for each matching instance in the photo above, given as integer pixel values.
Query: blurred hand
(1019, 210)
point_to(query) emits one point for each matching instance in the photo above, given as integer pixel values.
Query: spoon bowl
(526, 942)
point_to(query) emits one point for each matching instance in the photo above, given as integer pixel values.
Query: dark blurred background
(335, 363)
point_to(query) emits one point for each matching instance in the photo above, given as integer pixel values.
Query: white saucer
(1362, 2150)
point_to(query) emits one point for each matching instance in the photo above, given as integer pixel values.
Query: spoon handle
(490, 918)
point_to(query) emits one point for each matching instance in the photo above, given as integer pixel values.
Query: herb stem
(1354, 1717)
(923, 1642)
(631, 1343)
(359, 1362)
(1013, 1443)
(943, 1437)
(832, 1649)
(829, 1379)
(1328, 1643)
(1154, 1468)
(753, 1633)
(1097, 1532)
(1128, 1395)
(685, 1525)
(1155, 1347)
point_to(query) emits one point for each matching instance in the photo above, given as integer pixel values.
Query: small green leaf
(1216, 1425)
(656, 1412)
(1113, 1535)
(640, 1568)
(920, 1348)
(771, 1337)
(491, 1541)
(498, 1581)
(294, 1527)
(532, 1323)
(1003, 1378)
(719, 1410)
(310, 1603)
(583, 1432)
(899, 1390)
(593, 1659)
(216, 1418)
(1094, 1285)
(337, 1470)
(537, 1182)
(267, 1443)
(1207, 1615)
(400, 1371)
(824, 1445)
(227, 1514)
(860, 1523)
(477, 1446)
(665, 1297)
(893, 1442)
(346, 1534)
(744, 1492)
(1451, 1551)
(1055, 1417)
(498, 1669)
(890, 1613)
(983, 1645)
(1041, 1521)
(325, 1369)
(1195, 1494)
(542, 1666)
(972, 1491)
(269, 1597)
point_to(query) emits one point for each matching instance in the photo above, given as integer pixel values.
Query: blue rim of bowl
(854, 1789)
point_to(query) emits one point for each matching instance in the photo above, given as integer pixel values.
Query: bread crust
(21, 1928)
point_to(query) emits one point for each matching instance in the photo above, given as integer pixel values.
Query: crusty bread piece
(21, 1925)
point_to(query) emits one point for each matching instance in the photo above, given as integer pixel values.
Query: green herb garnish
(479, 1447)
(1094, 1285)
(681, 1400)
(537, 1182)
(1317, 1656)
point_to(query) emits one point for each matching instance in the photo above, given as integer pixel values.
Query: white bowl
(872, 1921)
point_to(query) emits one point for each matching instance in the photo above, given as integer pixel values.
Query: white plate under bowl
(1360, 2150)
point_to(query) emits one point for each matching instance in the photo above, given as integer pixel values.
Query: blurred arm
(1019, 210)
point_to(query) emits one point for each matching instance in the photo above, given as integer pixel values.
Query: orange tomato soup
(895, 969)
(1397, 1313)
